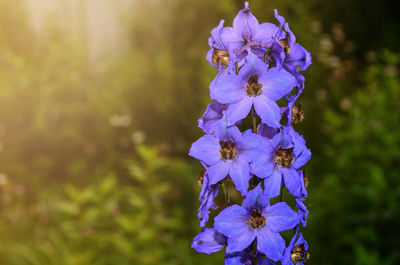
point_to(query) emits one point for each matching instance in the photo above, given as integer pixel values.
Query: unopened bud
(220, 57)
(298, 253)
(297, 114)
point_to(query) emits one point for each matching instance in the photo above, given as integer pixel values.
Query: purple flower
(256, 219)
(206, 197)
(219, 55)
(296, 57)
(214, 121)
(244, 258)
(231, 156)
(296, 253)
(208, 241)
(211, 117)
(248, 35)
(295, 54)
(254, 86)
(258, 64)
(282, 157)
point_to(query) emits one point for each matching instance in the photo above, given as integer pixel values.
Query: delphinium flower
(209, 241)
(258, 68)
(296, 252)
(256, 220)
(296, 58)
(279, 159)
(254, 86)
(214, 121)
(232, 156)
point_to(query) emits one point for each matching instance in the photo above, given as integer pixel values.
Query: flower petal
(302, 212)
(245, 24)
(211, 117)
(255, 199)
(288, 251)
(231, 222)
(240, 242)
(208, 241)
(276, 83)
(270, 243)
(218, 171)
(249, 146)
(238, 258)
(262, 167)
(240, 175)
(281, 19)
(301, 240)
(279, 217)
(215, 40)
(253, 66)
(282, 140)
(291, 37)
(265, 32)
(239, 110)
(268, 110)
(299, 57)
(302, 158)
(206, 197)
(292, 180)
(206, 149)
(228, 90)
(273, 183)
(266, 131)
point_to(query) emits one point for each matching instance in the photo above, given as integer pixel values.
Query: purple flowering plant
(258, 68)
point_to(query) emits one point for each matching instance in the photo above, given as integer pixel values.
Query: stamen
(256, 220)
(285, 45)
(284, 157)
(220, 57)
(297, 114)
(228, 150)
(253, 87)
(298, 253)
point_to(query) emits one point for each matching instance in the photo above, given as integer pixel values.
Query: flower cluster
(258, 80)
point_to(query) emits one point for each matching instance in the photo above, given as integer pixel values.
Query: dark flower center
(297, 114)
(220, 57)
(285, 45)
(284, 157)
(298, 253)
(253, 87)
(256, 220)
(228, 150)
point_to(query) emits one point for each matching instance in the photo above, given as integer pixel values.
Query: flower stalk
(258, 65)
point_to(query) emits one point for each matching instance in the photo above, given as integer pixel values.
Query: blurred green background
(99, 102)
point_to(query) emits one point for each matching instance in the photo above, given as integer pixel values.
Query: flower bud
(297, 114)
(220, 57)
(298, 253)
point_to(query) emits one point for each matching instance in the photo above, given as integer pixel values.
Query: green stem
(225, 192)
(236, 68)
(254, 120)
(281, 194)
(254, 257)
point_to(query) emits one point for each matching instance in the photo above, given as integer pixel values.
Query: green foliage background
(93, 161)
